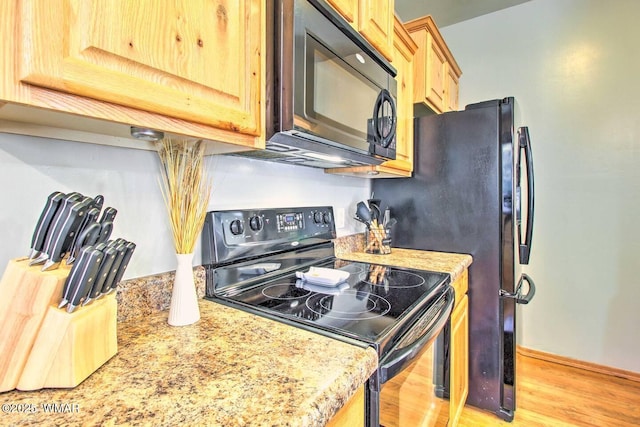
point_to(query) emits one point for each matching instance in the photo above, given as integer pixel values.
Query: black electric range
(251, 258)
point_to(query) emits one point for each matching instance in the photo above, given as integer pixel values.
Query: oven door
(413, 376)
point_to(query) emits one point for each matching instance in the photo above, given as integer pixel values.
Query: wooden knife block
(43, 346)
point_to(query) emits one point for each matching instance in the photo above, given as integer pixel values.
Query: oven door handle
(399, 358)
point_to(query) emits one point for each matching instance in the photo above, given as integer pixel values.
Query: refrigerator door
(510, 294)
(454, 203)
(461, 199)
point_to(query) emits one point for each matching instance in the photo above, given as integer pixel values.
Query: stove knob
(326, 218)
(255, 223)
(236, 227)
(317, 217)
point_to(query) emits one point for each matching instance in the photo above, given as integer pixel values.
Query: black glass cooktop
(373, 302)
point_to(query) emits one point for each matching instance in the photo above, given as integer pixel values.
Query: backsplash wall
(31, 168)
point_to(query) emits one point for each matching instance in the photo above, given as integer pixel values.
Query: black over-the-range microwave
(331, 97)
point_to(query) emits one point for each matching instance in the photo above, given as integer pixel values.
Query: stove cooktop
(251, 258)
(372, 304)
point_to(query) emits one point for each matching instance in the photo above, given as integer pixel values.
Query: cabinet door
(375, 23)
(403, 51)
(459, 359)
(348, 9)
(435, 74)
(195, 60)
(451, 90)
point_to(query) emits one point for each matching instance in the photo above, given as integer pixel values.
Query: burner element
(284, 291)
(351, 304)
(379, 275)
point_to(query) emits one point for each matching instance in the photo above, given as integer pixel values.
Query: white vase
(184, 308)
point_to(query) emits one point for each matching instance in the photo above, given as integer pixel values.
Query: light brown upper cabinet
(403, 53)
(190, 67)
(435, 69)
(372, 18)
(348, 9)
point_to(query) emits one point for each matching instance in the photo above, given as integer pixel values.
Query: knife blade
(129, 248)
(64, 232)
(44, 222)
(109, 257)
(88, 272)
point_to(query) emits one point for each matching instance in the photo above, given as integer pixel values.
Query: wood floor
(551, 394)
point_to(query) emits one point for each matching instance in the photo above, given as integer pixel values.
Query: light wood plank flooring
(552, 394)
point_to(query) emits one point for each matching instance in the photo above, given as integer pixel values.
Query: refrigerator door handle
(517, 295)
(525, 247)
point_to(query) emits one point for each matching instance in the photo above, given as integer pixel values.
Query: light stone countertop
(352, 248)
(231, 368)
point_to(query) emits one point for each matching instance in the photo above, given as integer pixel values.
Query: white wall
(32, 168)
(573, 66)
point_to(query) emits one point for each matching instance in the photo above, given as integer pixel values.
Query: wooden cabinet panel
(194, 60)
(348, 9)
(451, 90)
(375, 23)
(436, 73)
(459, 362)
(403, 51)
(352, 413)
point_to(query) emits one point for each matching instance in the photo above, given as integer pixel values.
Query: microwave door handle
(398, 359)
(525, 247)
(383, 132)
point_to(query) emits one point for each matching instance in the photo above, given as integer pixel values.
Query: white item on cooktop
(323, 276)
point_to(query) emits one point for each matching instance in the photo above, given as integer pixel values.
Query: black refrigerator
(472, 192)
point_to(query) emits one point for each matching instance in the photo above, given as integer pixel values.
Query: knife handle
(105, 231)
(109, 214)
(98, 202)
(79, 223)
(121, 249)
(68, 228)
(83, 236)
(40, 232)
(110, 254)
(62, 212)
(73, 276)
(89, 270)
(129, 248)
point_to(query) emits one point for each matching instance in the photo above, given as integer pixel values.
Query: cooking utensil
(363, 213)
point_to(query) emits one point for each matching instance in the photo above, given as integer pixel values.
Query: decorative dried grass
(185, 188)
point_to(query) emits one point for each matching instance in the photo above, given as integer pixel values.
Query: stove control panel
(290, 221)
(232, 234)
